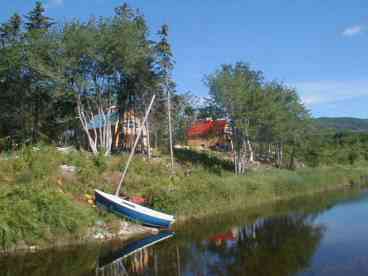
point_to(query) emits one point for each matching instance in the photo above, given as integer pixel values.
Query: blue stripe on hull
(131, 214)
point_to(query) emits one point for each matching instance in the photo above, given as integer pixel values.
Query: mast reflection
(113, 264)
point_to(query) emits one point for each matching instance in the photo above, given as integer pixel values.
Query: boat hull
(130, 210)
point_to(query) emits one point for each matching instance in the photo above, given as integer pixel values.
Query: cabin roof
(99, 122)
(205, 127)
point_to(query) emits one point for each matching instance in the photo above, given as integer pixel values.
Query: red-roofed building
(209, 133)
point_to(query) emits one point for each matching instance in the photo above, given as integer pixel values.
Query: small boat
(131, 248)
(133, 211)
(130, 209)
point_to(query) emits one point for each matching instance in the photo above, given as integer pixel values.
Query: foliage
(327, 148)
(45, 69)
(260, 112)
(342, 124)
(37, 211)
(34, 205)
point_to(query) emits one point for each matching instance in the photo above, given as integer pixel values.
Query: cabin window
(130, 124)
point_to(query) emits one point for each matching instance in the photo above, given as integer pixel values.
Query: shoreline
(46, 204)
(129, 230)
(261, 203)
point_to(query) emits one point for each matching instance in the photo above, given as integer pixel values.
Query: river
(325, 234)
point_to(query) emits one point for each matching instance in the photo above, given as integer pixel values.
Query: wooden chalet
(208, 133)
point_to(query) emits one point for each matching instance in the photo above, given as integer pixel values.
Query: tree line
(267, 119)
(270, 123)
(54, 78)
(51, 74)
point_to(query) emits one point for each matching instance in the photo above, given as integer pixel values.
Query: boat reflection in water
(113, 263)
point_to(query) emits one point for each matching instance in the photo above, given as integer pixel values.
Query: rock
(21, 245)
(68, 169)
(98, 236)
(125, 230)
(100, 223)
(65, 150)
(68, 173)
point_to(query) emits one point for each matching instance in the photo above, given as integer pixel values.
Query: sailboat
(133, 211)
(129, 209)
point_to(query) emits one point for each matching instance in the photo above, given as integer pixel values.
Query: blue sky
(319, 47)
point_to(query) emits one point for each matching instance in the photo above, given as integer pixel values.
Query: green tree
(37, 19)
(165, 64)
(267, 119)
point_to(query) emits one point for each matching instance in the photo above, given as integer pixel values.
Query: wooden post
(170, 128)
(134, 146)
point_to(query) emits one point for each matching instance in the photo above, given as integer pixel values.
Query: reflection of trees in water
(71, 261)
(143, 262)
(140, 261)
(154, 261)
(275, 246)
(114, 269)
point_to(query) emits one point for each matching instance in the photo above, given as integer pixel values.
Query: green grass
(34, 206)
(40, 204)
(203, 193)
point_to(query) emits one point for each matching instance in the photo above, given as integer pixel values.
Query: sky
(318, 47)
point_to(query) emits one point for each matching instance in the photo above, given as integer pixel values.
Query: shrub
(37, 211)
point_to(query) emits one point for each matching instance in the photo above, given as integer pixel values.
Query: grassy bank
(42, 203)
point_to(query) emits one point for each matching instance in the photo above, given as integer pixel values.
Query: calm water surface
(321, 235)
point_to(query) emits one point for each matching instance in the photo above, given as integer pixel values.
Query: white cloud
(315, 93)
(353, 30)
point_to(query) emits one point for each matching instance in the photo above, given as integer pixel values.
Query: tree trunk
(240, 152)
(101, 138)
(251, 151)
(292, 157)
(148, 141)
(170, 128)
(269, 155)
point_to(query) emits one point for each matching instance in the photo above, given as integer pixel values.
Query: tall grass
(39, 202)
(34, 207)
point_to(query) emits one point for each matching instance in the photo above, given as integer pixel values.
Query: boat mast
(134, 146)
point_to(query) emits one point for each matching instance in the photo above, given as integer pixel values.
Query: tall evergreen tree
(166, 65)
(39, 67)
(11, 29)
(37, 20)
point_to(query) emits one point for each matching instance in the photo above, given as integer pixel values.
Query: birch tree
(260, 113)
(236, 89)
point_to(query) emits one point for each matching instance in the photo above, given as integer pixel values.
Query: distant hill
(343, 124)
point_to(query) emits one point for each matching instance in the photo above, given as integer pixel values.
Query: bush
(37, 211)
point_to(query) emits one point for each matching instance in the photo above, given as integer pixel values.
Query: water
(320, 235)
